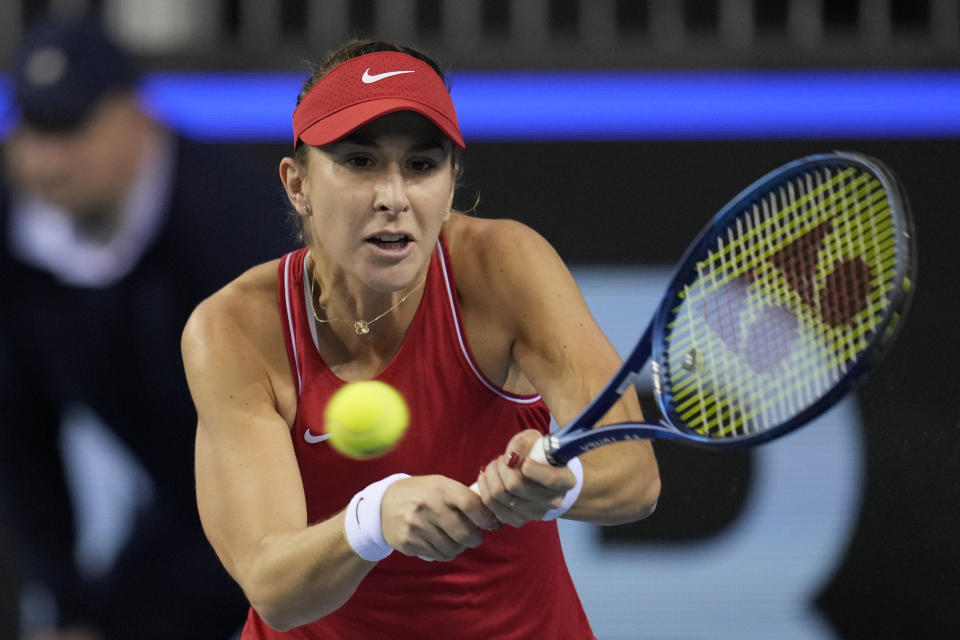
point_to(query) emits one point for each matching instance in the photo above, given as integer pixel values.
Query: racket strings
(791, 406)
(864, 245)
(787, 297)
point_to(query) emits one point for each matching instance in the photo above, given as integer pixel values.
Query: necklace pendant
(361, 327)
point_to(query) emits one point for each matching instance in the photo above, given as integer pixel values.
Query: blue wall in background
(545, 106)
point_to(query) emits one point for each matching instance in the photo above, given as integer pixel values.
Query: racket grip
(537, 453)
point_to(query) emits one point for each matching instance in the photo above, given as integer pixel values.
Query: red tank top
(515, 584)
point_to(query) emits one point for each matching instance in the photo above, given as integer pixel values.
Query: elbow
(274, 613)
(273, 598)
(287, 593)
(270, 609)
(642, 501)
(275, 623)
(646, 493)
(285, 609)
(271, 601)
(649, 497)
(636, 502)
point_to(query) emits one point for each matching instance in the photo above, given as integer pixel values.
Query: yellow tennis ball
(366, 419)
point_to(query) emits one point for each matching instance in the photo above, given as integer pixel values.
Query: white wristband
(571, 496)
(362, 520)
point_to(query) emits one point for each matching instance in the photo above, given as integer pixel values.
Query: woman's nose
(391, 192)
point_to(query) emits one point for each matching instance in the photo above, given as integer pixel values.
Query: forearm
(298, 576)
(621, 483)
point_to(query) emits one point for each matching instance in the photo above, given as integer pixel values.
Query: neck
(371, 313)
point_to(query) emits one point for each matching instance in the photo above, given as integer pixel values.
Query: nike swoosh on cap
(369, 78)
(313, 439)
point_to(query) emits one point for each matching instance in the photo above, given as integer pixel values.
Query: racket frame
(580, 436)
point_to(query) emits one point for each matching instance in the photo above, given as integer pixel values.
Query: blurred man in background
(111, 230)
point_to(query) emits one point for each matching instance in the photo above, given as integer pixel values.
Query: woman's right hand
(434, 517)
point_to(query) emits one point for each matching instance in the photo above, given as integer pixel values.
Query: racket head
(785, 300)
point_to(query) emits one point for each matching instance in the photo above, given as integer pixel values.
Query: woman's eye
(421, 165)
(359, 161)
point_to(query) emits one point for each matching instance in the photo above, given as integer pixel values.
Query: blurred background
(617, 128)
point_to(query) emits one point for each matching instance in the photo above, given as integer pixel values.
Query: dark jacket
(116, 352)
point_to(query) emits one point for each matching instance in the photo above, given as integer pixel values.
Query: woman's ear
(292, 176)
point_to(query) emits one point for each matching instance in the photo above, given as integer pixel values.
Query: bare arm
(249, 492)
(563, 353)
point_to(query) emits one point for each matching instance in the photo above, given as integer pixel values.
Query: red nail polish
(483, 468)
(514, 459)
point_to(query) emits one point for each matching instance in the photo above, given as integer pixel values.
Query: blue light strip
(605, 105)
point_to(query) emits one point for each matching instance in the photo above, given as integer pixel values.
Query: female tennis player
(476, 322)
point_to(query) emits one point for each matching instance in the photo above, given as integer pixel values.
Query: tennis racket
(782, 305)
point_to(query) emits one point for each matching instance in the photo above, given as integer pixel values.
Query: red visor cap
(367, 87)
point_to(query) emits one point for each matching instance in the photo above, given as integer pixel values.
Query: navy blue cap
(63, 68)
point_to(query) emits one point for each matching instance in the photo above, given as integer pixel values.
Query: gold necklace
(362, 327)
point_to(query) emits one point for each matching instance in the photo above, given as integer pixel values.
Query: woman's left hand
(519, 490)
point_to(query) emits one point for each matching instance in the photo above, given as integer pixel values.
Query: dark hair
(354, 49)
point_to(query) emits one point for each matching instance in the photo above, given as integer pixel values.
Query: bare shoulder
(498, 256)
(235, 336)
(499, 236)
(240, 310)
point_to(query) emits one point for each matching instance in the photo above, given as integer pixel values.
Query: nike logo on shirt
(369, 78)
(314, 439)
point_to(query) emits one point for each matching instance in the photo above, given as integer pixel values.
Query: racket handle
(537, 453)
